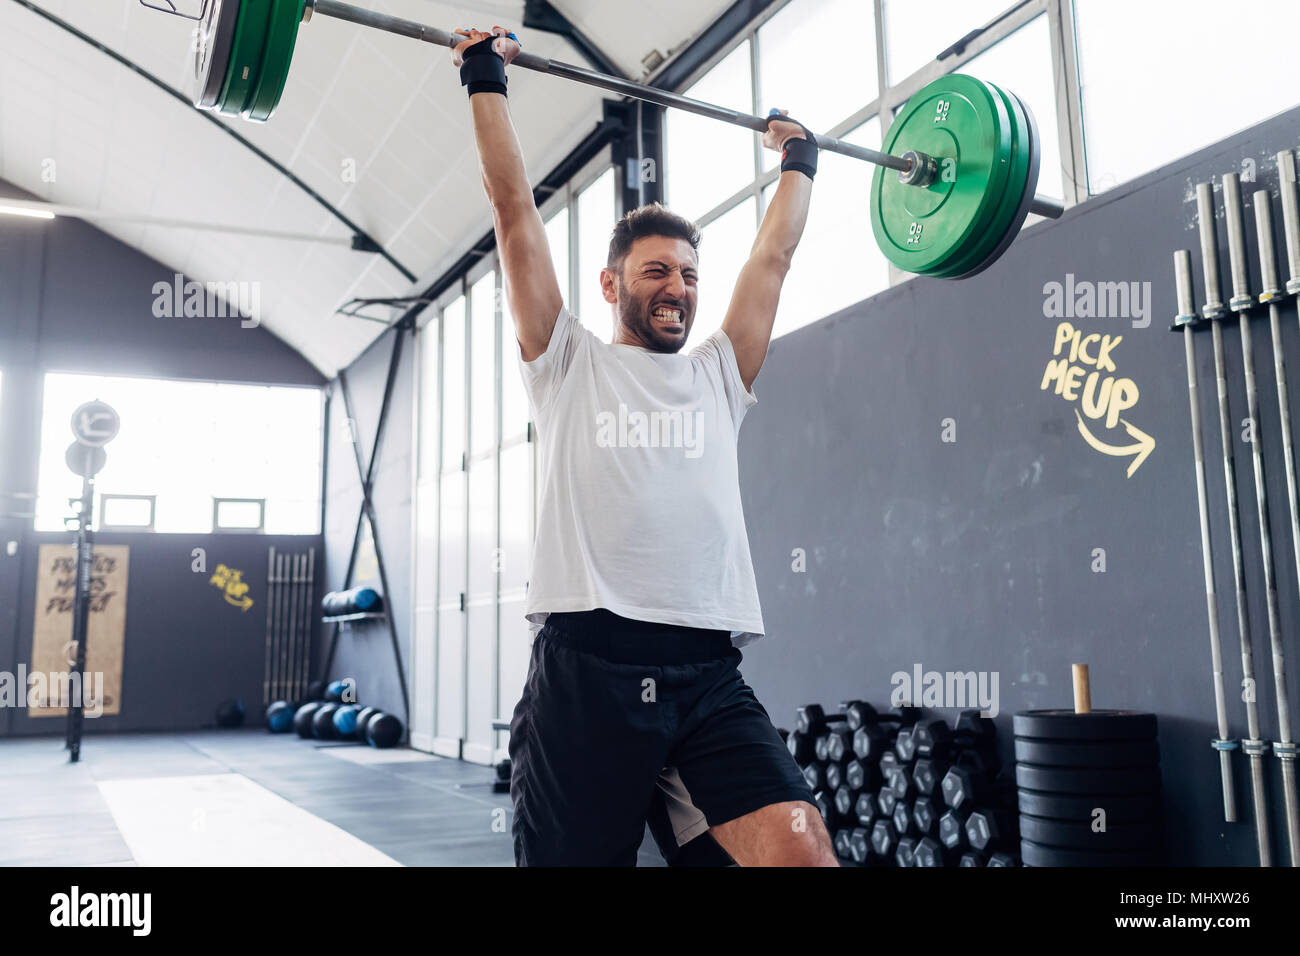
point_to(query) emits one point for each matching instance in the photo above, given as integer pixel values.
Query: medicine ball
(230, 713)
(316, 690)
(279, 717)
(383, 730)
(322, 722)
(336, 690)
(363, 718)
(302, 718)
(345, 721)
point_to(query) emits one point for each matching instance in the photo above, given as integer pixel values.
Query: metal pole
(291, 588)
(266, 671)
(1186, 318)
(1240, 302)
(81, 608)
(1284, 748)
(1041, 205)
(305, 670)
(1286, 175)
(1213, 311)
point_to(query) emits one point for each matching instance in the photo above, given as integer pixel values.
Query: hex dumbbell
(813, 720)
(884, 839)
(952, 829)
(925, 817)
(929, 852)
(834, 776)
(865, 809)
(904, 825)
(990, 830)
(905, 852)
(800, 747)
(933, 737)
(886, 801)
(845, 798)
(862, 775)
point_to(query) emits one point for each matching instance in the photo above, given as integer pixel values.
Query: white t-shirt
(639, 509)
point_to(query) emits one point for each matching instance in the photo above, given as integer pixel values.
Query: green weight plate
(957, 119)
(280, 42)
(214, 38)
(1098, 725)
(1036, 854)
(1085, 753)
(1119, 808)
(982, 237)
(1080, 835)
(993, 226)
(1011, 229)
(245, 56)
(1089, 781)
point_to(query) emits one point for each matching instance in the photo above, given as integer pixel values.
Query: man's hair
(654, 219)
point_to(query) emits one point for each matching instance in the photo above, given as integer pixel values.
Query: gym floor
(244, 797)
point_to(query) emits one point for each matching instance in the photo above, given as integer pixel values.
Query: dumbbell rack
(900, 788)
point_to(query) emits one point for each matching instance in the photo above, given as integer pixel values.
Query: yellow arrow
(1144, 444)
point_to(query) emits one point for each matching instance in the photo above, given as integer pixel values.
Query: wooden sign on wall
(52, 649)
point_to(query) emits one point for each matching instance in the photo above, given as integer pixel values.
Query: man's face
(654, 298)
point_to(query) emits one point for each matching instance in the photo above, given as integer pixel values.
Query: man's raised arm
(752, 311)
(530, 283)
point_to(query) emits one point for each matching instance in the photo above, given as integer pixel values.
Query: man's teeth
(668, 315)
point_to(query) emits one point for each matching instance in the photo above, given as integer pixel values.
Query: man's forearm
(783, 224)
(501, 160)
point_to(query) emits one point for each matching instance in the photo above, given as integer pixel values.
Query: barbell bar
(966, 152)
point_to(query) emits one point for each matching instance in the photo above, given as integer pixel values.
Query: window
(238, 514)
(483, 364)
(126, 512)
(557, 237)
(841, 84)
(596, 218)
(724, 247)
(1153, 89)
(708, 161)
(1022, 63)
(916, 33)
(835, 265)
(186, 443)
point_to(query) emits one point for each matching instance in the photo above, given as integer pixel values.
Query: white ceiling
(390, 106)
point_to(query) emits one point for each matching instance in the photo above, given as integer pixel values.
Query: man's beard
(634, 314)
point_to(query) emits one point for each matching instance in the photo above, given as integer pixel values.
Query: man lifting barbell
(642, 583)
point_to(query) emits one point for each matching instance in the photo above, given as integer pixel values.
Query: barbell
(966, 152)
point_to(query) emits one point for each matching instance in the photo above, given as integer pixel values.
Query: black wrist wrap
(800, 155)
(483, 70)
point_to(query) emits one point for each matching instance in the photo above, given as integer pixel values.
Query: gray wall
(186, 649)
(75, 299)
(978, 554)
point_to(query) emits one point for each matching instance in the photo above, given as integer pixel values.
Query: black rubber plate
(1120, 809)
(1085, 753)
(1035, 854)
(1088, 781)
(1081, 836)
(212, 51)
(1098, 725)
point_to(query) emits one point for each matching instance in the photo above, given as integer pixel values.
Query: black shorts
(626, 722)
